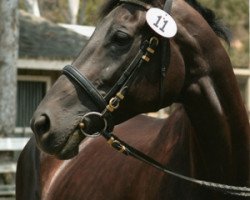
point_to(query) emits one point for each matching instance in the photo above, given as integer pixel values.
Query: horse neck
(212, 101)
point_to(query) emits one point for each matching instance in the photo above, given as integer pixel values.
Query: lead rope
(127, 150)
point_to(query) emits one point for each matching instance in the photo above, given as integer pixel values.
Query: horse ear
(219, 28)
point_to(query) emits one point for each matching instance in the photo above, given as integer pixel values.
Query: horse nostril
(41, 125)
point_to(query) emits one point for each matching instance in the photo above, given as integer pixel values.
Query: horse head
(119, 36)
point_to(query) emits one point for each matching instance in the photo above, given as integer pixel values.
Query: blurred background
(39, 37)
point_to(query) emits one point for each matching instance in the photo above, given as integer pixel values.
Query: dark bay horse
(207, 138)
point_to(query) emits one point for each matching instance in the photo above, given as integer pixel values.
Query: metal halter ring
(81, 124)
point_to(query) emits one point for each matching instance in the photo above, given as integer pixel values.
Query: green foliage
(92, 11)
(231, 11)
(235, 14)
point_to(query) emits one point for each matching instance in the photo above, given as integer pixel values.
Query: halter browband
(167, 6)
(138, 3)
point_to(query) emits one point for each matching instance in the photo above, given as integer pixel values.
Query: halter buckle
(117, 145)
(153, 42)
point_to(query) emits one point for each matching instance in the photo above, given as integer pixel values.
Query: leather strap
(126, 149)
(126, 76)
(168, 6)
(137, 2)
(165, 61)
(74, 74)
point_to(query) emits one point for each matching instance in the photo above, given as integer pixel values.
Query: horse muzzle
(63, 143)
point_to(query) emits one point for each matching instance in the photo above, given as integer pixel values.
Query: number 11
(164, 23)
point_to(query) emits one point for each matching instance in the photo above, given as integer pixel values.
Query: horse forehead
(129, 15)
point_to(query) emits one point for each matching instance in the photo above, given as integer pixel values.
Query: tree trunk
(32, 7)
(8, 56)
(73, 10)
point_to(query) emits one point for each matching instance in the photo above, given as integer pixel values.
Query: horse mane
(219, 28)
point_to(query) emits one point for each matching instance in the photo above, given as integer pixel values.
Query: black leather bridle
(108, 104)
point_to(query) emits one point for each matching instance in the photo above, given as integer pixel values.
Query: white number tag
(161, 22)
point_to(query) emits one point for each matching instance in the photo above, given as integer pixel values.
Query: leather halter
(108, 104)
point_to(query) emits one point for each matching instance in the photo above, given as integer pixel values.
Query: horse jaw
(71, 147)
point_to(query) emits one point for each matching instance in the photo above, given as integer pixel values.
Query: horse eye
(121, 38)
